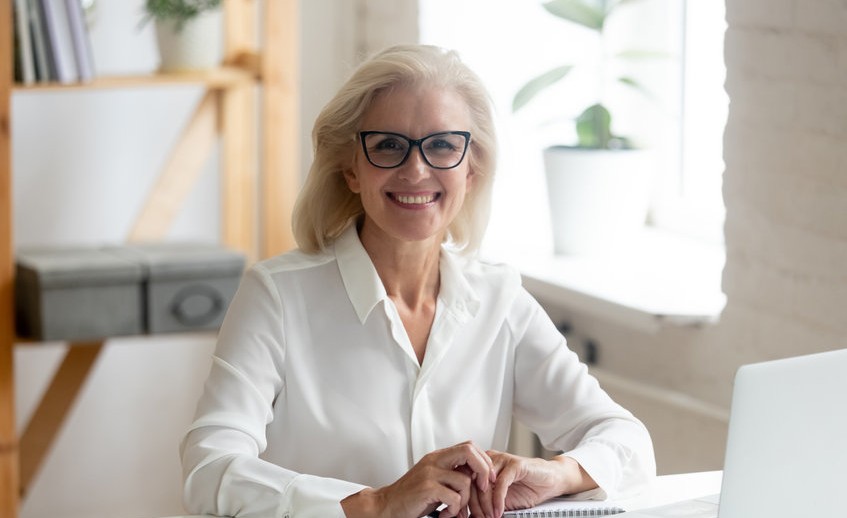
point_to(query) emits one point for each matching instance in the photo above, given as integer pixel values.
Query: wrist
(572, 476)
(367, 503)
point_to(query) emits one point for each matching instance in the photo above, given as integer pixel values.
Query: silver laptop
(786, 452)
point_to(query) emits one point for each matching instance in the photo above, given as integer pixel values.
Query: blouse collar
(365, 289)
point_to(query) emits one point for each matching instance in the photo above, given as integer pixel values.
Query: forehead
(417, 111)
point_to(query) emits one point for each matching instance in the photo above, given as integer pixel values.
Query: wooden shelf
(259, 168)
(223, 77)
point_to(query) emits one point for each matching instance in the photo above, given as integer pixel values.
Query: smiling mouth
(415, 199)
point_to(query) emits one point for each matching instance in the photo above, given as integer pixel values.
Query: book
(80, 39)
(59, 42)
(24, 42)
(559, 507)
(39, 42)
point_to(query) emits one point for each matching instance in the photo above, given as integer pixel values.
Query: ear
(352, 180)
(470, 179)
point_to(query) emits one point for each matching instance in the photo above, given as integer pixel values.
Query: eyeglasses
(444, 150)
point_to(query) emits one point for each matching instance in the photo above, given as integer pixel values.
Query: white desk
(665, 490)
(673, 488)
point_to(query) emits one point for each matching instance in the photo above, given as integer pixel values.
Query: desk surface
(673, 488)
(665, 490)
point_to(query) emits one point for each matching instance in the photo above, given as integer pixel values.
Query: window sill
(656, 279)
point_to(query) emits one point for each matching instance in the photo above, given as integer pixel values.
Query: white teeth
(415, 200)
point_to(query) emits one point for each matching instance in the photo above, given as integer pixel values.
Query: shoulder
(274, 273)
(501, 285)
(492, 283)
(291, 263)
(286, 277)
(488, 273)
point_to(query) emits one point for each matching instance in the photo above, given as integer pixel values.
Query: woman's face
(413, 201)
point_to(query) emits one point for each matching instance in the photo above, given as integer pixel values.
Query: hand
(523, 482)
(444, 476)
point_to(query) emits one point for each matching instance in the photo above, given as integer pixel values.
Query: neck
(409, 270)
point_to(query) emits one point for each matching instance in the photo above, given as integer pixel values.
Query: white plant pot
(597, 197)
(197, 46)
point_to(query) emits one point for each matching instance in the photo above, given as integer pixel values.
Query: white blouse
(315, 391)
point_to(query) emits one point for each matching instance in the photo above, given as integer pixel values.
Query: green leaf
(536, 85)
(579, 12)
(593, 127)
(594, 130)
(635, 85)
(180, 11)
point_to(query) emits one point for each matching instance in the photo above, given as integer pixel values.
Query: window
(510, 41)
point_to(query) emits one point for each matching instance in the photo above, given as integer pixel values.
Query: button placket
(422, 432)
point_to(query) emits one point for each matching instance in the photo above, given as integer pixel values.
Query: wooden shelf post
(257, 224)
(8, 439)
(281, 124)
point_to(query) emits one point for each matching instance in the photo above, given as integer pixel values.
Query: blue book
(59, 42)
(81, 42)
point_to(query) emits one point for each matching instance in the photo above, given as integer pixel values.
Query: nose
(415, 168)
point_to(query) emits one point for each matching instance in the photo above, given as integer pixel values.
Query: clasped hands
(470, 482)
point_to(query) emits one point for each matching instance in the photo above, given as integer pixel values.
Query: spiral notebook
(566, 507)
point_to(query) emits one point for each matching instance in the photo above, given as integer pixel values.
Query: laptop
(786, 452)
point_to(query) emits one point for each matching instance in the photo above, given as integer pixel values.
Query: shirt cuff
(308, 496)
(600, 464)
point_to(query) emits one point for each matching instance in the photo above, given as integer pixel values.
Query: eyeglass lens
(440, 150)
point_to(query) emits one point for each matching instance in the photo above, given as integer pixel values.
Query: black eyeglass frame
(412, 144)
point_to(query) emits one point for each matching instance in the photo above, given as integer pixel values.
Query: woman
(376, 371)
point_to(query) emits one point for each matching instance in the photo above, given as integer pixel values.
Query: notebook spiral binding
(587, 512)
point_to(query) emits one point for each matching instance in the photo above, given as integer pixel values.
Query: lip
(414, 200)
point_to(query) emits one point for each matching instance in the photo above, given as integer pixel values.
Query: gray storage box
(187, 286)
(76, 294)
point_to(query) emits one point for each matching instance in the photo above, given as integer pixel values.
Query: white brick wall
(785, 190)
(785, 184)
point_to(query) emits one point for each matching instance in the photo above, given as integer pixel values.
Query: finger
(475, 507)
(480, 502)
(478, 461)
(486, 503)
(504, 480)
(460, 482)
(453, 501)
(465, 454)
(449, 487)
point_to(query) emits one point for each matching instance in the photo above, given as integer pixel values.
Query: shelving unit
(267, 179)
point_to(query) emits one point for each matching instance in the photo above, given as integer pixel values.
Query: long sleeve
(223, 472)
(563, 404)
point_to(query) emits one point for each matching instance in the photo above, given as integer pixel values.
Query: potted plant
(189, 33)
(599, 186)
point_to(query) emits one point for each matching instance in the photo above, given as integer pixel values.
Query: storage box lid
(65, 266)
(167, 261)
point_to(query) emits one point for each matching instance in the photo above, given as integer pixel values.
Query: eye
(442, 144)
(445, 143)
(387, 143)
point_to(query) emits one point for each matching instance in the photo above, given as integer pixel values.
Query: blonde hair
(325, 206)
